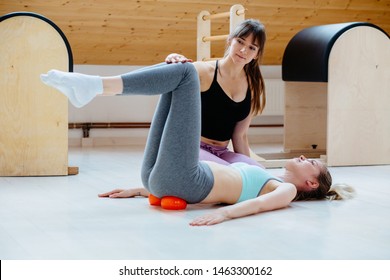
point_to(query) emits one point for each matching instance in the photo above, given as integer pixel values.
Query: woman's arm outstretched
(279, 198)
(121, 193)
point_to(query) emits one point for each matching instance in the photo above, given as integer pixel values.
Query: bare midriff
(215, 142)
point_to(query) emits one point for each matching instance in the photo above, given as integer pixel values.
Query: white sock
(79, 88)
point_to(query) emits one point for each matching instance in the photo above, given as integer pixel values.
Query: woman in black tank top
(232, 92)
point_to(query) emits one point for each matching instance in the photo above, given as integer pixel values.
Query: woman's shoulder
(288, 189)
(205, 67)
(206, 73)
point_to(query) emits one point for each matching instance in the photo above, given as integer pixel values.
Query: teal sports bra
(254, 179)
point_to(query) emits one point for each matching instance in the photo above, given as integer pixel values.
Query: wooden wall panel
(142, 32)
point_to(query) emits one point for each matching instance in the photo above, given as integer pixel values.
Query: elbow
(240, 137)
(272, 204)
(272, 207)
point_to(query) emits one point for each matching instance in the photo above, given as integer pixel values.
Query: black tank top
(220, 113)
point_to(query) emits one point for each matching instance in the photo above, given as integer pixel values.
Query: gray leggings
(171, 165)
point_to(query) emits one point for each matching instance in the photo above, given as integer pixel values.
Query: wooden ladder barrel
(33, 116)
(337, 93)
(204, 38)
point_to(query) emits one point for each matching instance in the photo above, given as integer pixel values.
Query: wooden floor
(62, 218)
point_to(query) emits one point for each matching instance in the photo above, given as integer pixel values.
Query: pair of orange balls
(168, 202)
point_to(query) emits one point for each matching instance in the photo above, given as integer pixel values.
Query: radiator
(274, 89)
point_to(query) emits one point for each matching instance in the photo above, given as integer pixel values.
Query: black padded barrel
(306, 56)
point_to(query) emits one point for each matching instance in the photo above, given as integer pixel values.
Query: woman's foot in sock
(79, 88)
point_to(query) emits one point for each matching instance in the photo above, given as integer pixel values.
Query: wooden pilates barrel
(33, 116)
(337, 93)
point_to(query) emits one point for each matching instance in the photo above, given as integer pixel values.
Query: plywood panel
(359, 98)
(305, 116)
(139, 32)
(33, 117)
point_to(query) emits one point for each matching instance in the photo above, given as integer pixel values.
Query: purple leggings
(223, 155)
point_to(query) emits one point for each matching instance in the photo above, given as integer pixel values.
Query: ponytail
(340, 191)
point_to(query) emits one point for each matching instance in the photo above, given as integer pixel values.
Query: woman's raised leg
(171, 164)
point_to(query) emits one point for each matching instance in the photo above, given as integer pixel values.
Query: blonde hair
(340, 191)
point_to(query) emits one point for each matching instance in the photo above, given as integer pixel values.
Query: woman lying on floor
(171, 168)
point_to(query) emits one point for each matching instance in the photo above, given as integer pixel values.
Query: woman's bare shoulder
(205, 67)
(206, 73)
